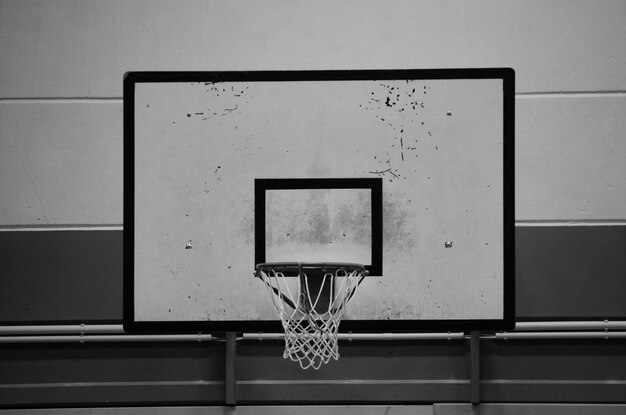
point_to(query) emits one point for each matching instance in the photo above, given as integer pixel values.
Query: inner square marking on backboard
(319, 220)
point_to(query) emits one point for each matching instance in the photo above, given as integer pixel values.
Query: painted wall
(63, 61)
(61, 71)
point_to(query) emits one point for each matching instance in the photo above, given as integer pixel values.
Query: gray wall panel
(563, 272)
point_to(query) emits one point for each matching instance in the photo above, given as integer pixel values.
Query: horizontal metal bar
(367, 336)
(401, 336)
(113, 338)
(115, 333)
(560, 335)
(456, 336)
(62, 329)
(570, 325)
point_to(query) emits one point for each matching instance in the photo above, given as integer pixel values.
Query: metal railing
(99, 333)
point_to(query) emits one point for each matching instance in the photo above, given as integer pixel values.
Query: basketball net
(311, 308)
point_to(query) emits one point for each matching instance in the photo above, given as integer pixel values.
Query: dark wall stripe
(59, 276)
(571, 272)
(69, 276)
(367, 372)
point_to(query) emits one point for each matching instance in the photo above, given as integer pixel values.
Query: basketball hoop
(310, 299)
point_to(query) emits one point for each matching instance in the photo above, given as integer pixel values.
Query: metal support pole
(475, 368)
(230, 383)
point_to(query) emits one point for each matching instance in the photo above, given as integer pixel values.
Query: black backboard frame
(507, 76)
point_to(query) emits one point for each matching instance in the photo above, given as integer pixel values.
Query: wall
(63, 63)
(61, 188)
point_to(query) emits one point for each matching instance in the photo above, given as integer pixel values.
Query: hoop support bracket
(230, 381)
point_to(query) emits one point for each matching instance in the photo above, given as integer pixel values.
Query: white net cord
(311, 326)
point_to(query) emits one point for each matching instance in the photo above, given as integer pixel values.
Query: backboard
(409, 172)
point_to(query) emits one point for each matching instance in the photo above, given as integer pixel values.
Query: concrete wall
(61, 67)
(63, 61)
